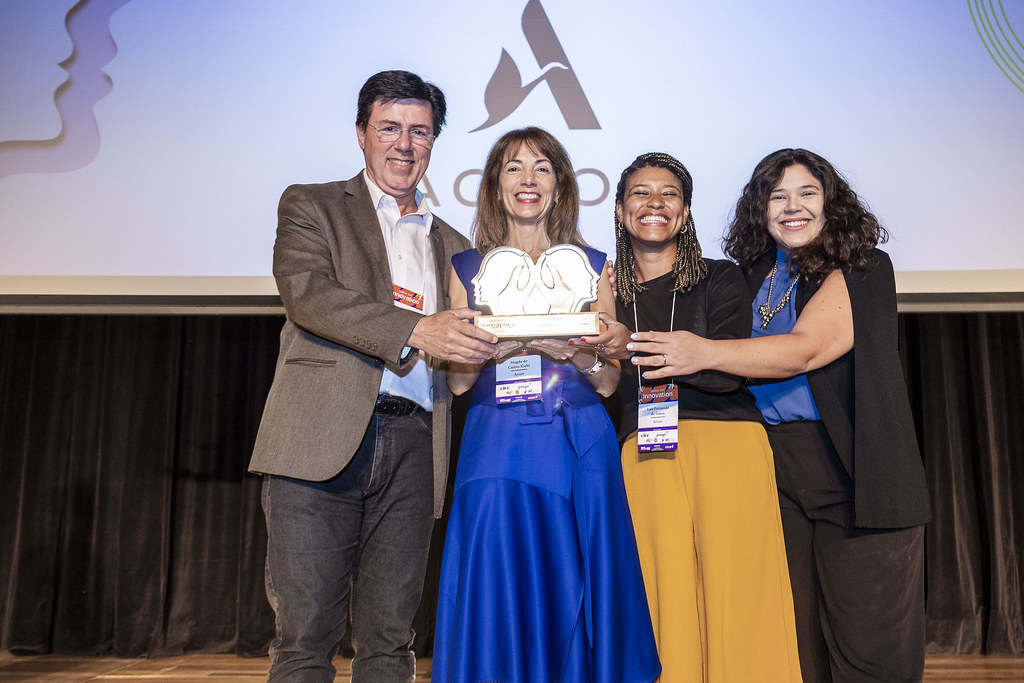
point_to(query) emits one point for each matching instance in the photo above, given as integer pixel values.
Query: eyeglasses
(420, 136)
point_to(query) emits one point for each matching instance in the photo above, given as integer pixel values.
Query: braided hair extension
(689, 267)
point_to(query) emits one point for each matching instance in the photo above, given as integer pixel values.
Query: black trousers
(858, 593)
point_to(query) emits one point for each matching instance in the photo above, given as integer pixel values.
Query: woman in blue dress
(540, 579)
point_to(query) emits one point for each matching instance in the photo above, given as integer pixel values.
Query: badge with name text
(658, 424)
(518, 380)
(407, 298)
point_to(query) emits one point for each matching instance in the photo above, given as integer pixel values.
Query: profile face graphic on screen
(88, 26)
(505, 91)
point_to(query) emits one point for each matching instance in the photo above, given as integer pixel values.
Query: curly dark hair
(490, 226)
(689, 266)
(850, 232)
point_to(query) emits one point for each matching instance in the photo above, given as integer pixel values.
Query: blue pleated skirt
(540, 579)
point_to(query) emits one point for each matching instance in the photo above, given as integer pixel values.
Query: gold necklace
(768, 313)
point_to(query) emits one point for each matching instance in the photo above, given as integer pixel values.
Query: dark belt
(396, 406)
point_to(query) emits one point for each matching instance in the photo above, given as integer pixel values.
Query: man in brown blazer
(354, 440)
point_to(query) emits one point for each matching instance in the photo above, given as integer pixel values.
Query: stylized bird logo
(505, 91)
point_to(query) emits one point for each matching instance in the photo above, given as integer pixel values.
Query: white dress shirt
(411, 259)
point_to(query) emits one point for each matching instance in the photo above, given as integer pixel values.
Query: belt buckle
(395, 406)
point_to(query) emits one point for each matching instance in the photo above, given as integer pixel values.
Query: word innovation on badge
(658, 426)
(407, 297)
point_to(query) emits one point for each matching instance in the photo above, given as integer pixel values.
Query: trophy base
(540, 326)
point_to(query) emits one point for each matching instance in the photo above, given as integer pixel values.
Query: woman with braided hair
(696, 461)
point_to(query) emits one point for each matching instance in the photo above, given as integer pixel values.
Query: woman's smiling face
(528, 187)
(652, 209)
(796, 208)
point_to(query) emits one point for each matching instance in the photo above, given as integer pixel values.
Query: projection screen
(144, 144)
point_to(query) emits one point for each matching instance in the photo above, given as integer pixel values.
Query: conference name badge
(518, 380)
(658, 426)
(407, 297)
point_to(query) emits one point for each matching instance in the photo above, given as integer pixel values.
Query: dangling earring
(620, 230)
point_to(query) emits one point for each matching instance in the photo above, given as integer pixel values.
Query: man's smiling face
(397, 166)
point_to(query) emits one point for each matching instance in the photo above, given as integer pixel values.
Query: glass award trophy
(542, 300)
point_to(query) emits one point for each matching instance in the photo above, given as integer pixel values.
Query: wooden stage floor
(190, 668)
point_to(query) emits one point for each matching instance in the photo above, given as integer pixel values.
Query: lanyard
(671, 327)
(658, 407)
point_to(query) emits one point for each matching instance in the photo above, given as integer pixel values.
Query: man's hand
(448, 336)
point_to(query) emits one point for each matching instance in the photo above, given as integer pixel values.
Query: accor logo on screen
(505, 92)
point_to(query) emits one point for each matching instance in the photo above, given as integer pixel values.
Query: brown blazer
(342, 330)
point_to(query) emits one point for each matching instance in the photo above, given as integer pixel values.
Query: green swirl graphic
(999, 38)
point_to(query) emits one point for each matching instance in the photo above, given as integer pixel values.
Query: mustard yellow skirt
(709, 534)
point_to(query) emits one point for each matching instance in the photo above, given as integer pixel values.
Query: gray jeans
(368, 528)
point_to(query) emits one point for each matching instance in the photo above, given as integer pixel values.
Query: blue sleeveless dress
(540, 580)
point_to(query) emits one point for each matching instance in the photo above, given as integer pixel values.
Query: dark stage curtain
(129, 526)
(965, 373)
